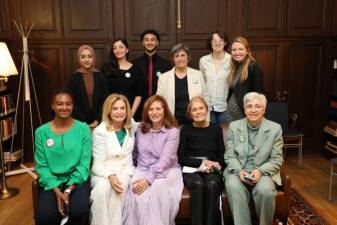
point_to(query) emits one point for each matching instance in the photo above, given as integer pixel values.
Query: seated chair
(278, 112)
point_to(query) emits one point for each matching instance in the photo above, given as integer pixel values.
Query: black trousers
(205, 190)
(47, 211)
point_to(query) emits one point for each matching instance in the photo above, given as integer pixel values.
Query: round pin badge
(127, 75)
(50, 142)
(158, 73)
(241, 139)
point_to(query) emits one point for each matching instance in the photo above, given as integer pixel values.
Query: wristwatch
(67, 191)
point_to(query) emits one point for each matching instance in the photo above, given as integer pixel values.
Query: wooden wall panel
(85, 19)
(71, 62)
(45, 14)
(269, 57)
(334, 19)
(264, 17)
(46, 80)
(309, 17)
(304, 67)
(134, 16)
(199, 19)
(5, 31)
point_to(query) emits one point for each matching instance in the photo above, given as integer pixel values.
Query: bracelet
(67, 191)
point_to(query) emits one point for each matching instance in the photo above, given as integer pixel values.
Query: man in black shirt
(150, 63)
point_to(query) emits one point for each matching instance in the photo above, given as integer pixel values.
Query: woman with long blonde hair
(245, 76)
(113, 143)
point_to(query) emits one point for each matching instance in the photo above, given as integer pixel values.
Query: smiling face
(198, 112)
(150, 43)
(239, 52)
(86, 59)
(156, 114)
(180, 59)
(218, 44)
(120, 50)
(118, 111)
(254, 110)
(62, 105)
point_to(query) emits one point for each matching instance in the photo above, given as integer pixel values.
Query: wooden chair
(278, 112)
(333, 173)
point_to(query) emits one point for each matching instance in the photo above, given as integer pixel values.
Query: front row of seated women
(150, 193)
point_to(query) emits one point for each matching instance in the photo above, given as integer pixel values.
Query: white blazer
(195, 82)
(109, 157)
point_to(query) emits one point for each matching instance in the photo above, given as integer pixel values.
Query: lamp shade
(7, 66)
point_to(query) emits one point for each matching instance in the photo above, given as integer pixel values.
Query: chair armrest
(35, 194)
(286, 187)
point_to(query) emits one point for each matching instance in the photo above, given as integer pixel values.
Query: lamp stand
(6, 192)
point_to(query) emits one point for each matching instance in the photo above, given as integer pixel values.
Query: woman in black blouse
(124, 78)
(88, 87)
(202, 146)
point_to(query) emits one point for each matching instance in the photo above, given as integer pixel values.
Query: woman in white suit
(179, 85)
(113, 143)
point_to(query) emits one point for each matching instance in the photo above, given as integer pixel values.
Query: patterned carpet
(302, 213)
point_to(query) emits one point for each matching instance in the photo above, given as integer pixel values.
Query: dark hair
(56, 92)
(223, 36)
(181, 47)
(113, 65)
(169, 120)
(150, 31)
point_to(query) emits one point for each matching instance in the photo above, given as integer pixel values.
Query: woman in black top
(124, 78)
(245, 76)
(88, 87)
(202, 146)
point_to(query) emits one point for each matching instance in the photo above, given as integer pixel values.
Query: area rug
(302, 212)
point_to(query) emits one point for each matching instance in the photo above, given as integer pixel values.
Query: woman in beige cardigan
(181, 84)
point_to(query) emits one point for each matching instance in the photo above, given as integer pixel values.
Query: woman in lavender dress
(157, 184)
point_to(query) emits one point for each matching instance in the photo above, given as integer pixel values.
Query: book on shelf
(7, 126)
(13, 156)
(6, 104)
(331, 128)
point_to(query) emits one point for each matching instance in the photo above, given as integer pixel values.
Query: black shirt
(181, 100)
(201, 142)
(160, 66)
(126, 82)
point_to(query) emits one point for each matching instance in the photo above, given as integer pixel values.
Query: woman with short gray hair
(181, 84)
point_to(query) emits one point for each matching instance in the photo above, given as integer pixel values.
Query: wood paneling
(132, 17)
(46, 80)
(85, 19)
(45, 14)
(5, 31)
(269, 57)
(71, 62)
(309, 17)
(303, 62)
(334, 19)
(264, 17)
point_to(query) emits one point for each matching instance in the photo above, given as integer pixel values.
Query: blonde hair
(193, 100)
(107, 106)
(245, 64)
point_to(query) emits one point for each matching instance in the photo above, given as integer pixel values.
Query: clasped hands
(255, 175)
(138, 186)
(209, 166)
(62, 199)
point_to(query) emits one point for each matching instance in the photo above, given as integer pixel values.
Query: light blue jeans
(219, 117)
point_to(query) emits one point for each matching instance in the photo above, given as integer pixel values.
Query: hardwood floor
(311, 181)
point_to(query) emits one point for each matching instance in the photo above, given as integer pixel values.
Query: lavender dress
(157, 162)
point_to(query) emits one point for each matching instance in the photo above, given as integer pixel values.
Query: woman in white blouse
(215, 70)
(113, 143)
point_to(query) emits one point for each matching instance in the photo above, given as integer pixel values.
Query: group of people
(128, 172)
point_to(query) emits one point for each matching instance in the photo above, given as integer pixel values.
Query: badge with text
(127, 75)
(50, 142)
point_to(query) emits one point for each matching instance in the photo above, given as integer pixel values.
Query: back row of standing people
(223, 78)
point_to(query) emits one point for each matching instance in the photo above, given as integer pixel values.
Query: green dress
(62, 159)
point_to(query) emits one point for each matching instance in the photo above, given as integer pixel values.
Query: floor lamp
(7, 68)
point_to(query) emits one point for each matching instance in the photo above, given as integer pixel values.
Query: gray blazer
(268, 148)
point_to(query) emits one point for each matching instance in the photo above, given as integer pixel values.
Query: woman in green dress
(62, 160)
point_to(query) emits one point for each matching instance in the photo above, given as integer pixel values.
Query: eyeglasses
(217, 41)
(251, 107)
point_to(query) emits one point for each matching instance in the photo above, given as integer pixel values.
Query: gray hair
(252, 95)
(181, 47)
